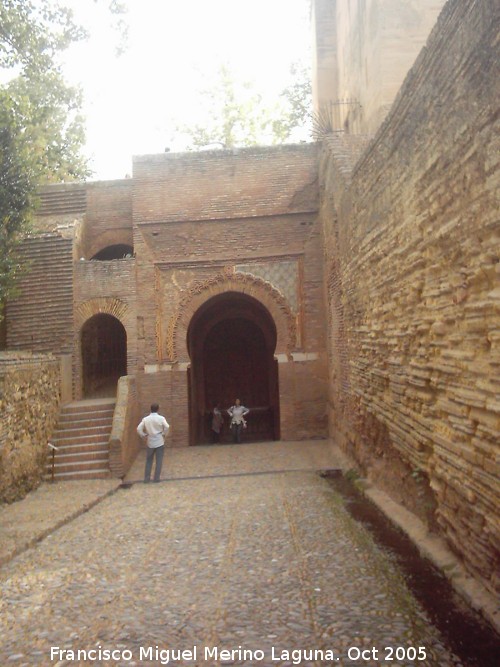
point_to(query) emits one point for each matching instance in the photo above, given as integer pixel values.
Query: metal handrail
(54, 450)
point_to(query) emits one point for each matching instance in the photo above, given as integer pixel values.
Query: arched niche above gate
(117, 242)
(228, 281)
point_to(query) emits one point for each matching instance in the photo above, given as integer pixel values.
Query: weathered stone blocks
(413, 231)
(29, 403)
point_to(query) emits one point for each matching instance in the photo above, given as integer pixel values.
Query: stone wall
(29, 403)
(412, 238)
(363, 50)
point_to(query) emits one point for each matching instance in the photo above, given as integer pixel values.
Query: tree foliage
(17, 188)
(239, 116)
(41, 127)
(296, 105)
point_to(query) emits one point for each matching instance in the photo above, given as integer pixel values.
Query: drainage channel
(474, 641)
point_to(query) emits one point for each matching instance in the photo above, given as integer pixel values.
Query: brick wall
(198, 216)
(41, 317)
(104, 287)
(95, 215)
(108, 219)
(212, 185)
(412, 238)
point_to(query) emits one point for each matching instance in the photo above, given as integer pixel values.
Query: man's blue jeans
(151, 453)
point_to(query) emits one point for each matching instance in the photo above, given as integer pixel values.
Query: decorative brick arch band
(100, 305)
(228, 281)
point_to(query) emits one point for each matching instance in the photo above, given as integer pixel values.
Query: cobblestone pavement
(29, 520)
(232, 459)
(243, 563)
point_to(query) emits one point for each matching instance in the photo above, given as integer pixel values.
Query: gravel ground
(267, 563)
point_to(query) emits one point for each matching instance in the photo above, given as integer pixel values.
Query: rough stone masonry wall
(412, 243)
(29, 403)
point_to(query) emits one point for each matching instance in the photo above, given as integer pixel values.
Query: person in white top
(237, 413)
(154, 428)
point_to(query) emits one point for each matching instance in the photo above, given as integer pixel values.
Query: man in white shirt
(154, 428)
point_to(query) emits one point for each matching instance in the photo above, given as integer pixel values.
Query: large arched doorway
(231, 341)
(104, 355)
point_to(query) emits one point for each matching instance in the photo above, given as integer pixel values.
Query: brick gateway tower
(200, 278)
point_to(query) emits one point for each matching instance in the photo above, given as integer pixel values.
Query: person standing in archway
(154, 428)
(237, 413)
(217, 424)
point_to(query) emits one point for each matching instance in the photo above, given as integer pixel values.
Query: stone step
(35, 308)
(81, 418)
(82, 447)
(82, 428)
(79, 474)
(96, 465)
(82, 440)
(63, 439)
(91, 408)
(83, 457)
(88, 414)
(84, 424)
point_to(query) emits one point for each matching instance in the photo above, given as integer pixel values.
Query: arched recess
(103, 343)
(116, 251)
(99, 321)
(201, 292)
(231, 341)
(112, 238)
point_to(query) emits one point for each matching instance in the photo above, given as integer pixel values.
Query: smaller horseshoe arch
(231, 342)
(104, 355)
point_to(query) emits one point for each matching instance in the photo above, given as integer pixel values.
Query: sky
(134, 102)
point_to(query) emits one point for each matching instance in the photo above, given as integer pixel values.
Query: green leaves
(235, 114)
(41, 127)
(52, 125)
(17, 190)
(32, 33)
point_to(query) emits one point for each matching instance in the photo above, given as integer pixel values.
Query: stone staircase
(82, 439)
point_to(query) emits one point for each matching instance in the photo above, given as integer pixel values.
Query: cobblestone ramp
(257, 562)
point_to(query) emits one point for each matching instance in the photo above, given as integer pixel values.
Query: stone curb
(432, 547)
(435, 549)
